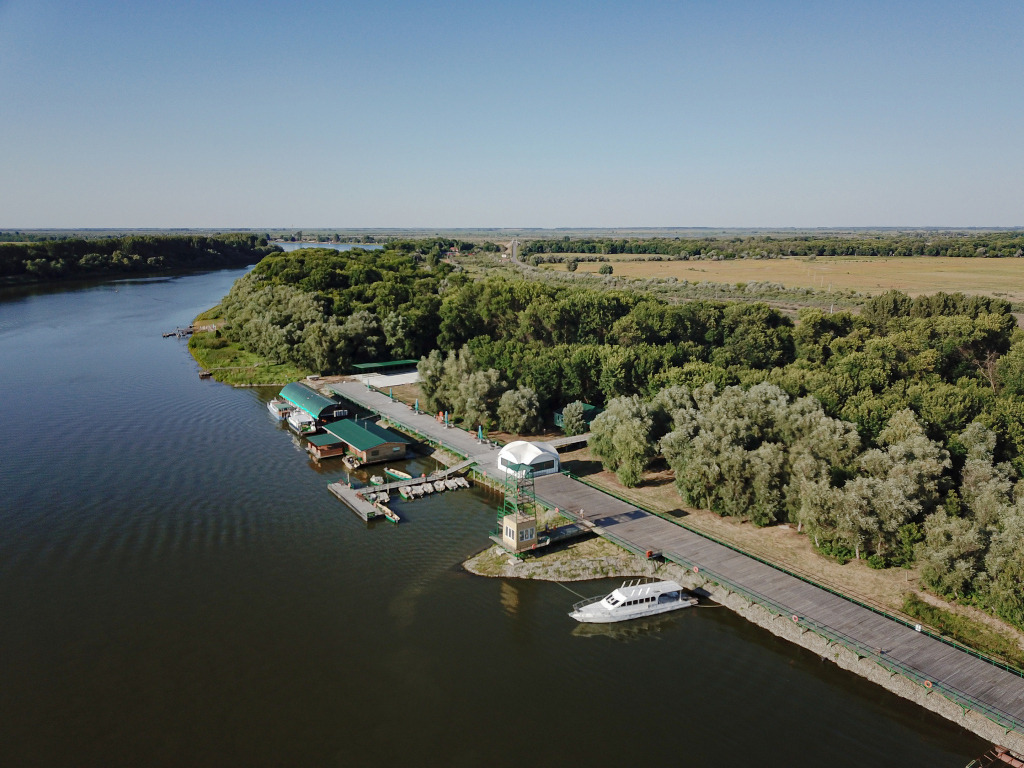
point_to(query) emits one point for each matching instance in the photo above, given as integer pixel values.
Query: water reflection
(509, 599)
(634, 629)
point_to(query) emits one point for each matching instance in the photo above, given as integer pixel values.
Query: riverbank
(228, 363)
(598, 559)
(787, 548)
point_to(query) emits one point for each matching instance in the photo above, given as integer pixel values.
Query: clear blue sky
(463, 114)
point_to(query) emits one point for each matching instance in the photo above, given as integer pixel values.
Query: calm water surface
(177, 587)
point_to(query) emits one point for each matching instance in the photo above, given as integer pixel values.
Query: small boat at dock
(450, 484)
(302, 423)
(439, 486)
(351, 462)
(633, 600)
(397, 474)
(427, 488)
(279, 408)
(376, 480)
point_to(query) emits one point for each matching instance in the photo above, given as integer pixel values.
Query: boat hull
(609, 617)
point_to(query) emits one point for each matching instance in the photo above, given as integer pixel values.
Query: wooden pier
(937, 665)
(368, 510)
(441, 474)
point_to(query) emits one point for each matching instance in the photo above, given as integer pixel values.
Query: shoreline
(602, 559)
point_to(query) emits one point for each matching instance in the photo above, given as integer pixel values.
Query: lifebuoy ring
(696, 569)
(796, 619)
(927, 683)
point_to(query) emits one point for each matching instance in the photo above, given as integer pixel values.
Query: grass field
(231, 364)
(992, 277)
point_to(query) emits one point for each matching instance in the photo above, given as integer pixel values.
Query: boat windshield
(612, 601)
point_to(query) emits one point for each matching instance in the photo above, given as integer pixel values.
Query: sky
(512, 114)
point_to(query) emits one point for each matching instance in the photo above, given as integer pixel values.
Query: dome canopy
(516, 455)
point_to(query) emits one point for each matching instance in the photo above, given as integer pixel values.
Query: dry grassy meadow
(993, 277)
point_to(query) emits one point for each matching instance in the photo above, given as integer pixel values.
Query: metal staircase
(520, 496)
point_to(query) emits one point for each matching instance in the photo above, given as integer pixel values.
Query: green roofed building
(590, 412)
(362, 439)
(310, 401)
(386, 367)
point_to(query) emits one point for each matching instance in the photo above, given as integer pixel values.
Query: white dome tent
(516, 456)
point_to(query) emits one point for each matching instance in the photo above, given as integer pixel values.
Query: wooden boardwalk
(441, 474)
(874, 635)
(562, 442)
(942, 668)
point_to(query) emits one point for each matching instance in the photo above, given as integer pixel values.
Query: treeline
(135, 254)
(324, 309)
(895, 435)
(761, 455)
(989, 245)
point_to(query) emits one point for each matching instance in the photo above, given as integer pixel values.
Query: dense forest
(989, 245)
(895, 435)
(136, 254)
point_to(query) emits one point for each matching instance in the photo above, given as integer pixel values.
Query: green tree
(572, 419)
(621, 438)
(519, 411)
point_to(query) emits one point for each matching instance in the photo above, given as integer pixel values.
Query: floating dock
(368, 510)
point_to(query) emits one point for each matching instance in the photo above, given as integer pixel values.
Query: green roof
(590, 412)
(374, 366)
(307, 399)
(364, 435)
(326, 439)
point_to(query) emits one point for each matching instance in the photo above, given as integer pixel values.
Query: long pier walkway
(938, 666)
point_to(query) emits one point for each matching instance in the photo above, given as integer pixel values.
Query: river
(177, 587)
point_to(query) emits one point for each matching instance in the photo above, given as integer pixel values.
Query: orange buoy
(649, 553)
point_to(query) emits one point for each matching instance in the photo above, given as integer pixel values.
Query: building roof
(364, 435)
(325, 439)
(375, 366)
(589, 411)
(522, 453)
(307, 399)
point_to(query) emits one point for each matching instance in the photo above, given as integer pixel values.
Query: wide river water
(178, 588)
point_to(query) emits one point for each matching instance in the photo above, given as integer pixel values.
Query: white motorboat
(302, 423)
(633, 600)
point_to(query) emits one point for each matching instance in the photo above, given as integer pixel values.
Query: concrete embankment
(598, 559)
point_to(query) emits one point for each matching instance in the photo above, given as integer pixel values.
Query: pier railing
(863, 601)
(961, 698)
(833, 636)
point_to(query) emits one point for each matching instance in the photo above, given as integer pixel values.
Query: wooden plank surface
(930, 658)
